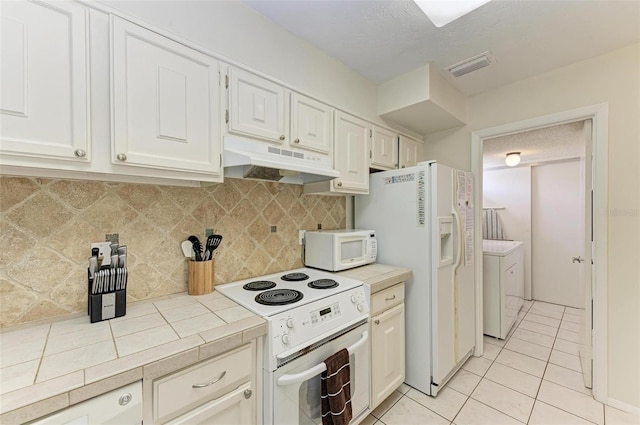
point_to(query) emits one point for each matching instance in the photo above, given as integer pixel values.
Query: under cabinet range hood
(262, 161)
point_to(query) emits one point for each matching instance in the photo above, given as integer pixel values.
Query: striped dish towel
(335, 389)
(491, 225)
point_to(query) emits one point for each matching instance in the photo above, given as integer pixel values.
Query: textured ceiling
(546, 144)
(382, 39)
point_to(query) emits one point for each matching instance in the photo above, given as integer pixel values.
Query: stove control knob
(290, 323)
(360, 307)
(353, 299)
(286, 339)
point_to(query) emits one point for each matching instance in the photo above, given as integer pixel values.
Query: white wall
(239, 33)
(511, 188)
(612, 78)
(557, 232)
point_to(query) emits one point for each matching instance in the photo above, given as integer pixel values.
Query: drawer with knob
(213, 379)
(386, 299)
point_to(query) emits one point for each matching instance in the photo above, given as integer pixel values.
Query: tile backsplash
(47, 225)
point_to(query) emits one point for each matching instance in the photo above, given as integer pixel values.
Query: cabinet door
(350, 156)
(235, 407)
(105, 409)
(44, 97)
(256, 107)
(384, 149)
(165, 102)
(410, 152)
(387, 353)
(311, 124)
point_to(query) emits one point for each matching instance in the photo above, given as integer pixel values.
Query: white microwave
(336, 250)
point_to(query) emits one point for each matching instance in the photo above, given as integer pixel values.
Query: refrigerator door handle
(458, 229)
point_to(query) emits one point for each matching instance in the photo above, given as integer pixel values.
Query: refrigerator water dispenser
(445, 226)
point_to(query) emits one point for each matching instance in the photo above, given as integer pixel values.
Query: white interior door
(557, 233)
(585, 266)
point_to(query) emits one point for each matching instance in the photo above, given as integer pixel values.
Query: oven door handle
(296, 378)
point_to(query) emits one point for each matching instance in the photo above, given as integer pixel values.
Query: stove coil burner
(259, 285)
(323, 284)
(279, 297)
(295, 277)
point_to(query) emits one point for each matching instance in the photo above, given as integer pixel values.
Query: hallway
(533, 377)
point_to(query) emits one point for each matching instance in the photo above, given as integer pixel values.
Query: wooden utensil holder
(200, 277)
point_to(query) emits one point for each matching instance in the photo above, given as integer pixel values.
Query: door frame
(599, 113)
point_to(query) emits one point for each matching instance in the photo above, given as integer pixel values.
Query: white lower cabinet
(220, 390)
(122, 406)
(387, 343)
(232, 408)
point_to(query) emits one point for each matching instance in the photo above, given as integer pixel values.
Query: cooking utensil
(213, 242)
(187, 249)
(197, 247)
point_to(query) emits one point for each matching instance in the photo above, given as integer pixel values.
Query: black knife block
(106, 305)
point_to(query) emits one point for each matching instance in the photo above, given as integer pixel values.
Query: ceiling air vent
(471, 64)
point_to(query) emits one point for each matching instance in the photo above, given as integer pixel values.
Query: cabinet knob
(247, 393)
(80, 153)
(339, 184)
(125, 399)
(296, 141)
(282, 137)
(377, 322)
(121, 157)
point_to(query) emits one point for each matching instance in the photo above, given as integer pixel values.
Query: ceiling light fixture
(442, 12)
(513, 159)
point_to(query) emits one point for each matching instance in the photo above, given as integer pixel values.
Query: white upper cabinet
(351, 156)
(256, 107)
(311, 124)
(384, 149)
(410, 152)
(165, 107)
(44, 97)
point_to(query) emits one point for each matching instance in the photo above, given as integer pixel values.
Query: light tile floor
(532, 377)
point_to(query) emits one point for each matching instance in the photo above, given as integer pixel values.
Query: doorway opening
(591, 167)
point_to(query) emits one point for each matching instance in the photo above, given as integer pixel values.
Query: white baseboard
(625, 407)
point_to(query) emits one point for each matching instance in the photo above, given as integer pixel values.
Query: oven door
(296, 385)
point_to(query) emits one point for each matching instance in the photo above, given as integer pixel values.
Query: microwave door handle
(296, 378)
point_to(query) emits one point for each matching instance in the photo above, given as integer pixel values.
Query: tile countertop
(378, 276)
(48, 366)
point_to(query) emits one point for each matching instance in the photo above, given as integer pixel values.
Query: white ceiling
(536, 146)
(381, 39)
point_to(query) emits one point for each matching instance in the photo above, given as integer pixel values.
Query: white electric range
(311, 314)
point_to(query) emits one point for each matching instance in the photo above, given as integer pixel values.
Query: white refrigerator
(423, 218)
